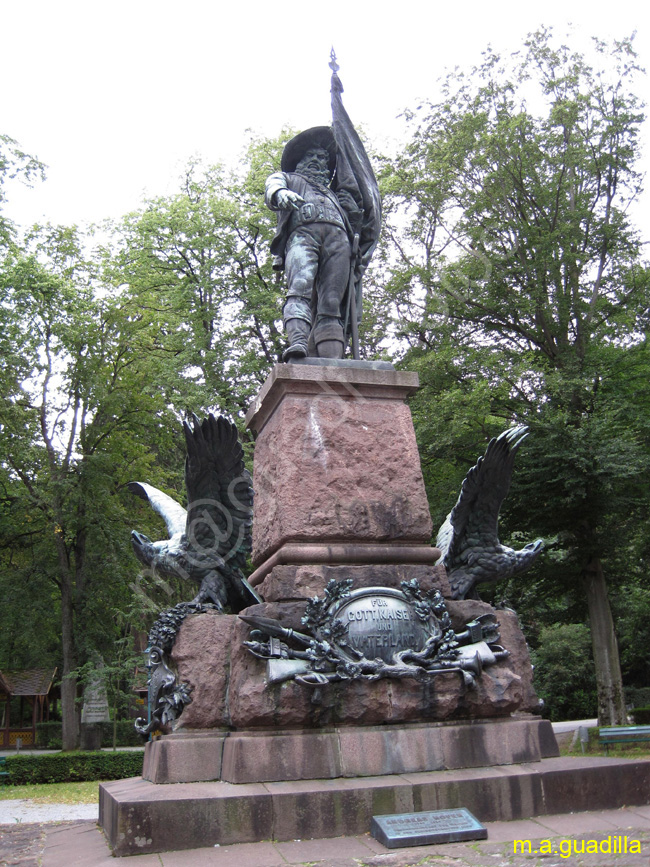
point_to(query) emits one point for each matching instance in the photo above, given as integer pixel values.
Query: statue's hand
(347, 201)
(287, 200)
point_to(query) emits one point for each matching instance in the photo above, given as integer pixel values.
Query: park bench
(623, 735)
(3, 770)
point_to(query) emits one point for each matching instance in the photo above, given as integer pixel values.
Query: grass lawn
(639, 750)
(616, 751)
(54, 793)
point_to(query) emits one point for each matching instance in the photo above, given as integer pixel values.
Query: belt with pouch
(311, 212)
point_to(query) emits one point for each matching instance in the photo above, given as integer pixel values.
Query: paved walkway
(82, 844)
(17, 810)
(51, 835)
(572, 725)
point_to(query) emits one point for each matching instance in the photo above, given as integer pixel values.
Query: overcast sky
(116, 96)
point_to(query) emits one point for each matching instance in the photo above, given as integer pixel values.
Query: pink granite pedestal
(339, 494)
(271, 755)
(337, 474)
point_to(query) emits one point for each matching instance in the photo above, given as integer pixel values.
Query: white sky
(115, 96)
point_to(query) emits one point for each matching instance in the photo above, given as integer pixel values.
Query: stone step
(139, 816)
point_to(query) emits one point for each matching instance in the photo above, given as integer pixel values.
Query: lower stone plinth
(140, 817)
(363, 752)
(346, 751)
(183, 758)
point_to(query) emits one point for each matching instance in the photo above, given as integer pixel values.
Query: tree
(81, 414)
(15, 164)
(102, 355)
(521, 295)
(200, 259)
(564, 672)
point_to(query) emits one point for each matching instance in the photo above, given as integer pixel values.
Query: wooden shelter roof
(35, 681)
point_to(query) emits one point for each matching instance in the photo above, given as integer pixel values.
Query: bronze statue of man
(329, 213)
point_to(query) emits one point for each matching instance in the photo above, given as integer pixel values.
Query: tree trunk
(69, 716)
(611, 700)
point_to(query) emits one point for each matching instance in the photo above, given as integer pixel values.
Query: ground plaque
(421, 829)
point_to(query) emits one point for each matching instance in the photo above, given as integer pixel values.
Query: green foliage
(632, 609)
(14, 164)
(73, 767)
(564, 672)
(102, 352)
(48, 735)
(200, 259)
(637, 696)
(641, 715)
(80, 411)
(520, 295)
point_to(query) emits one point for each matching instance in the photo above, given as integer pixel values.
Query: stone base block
(346, 751)
(364, 752)
(184, 758)
(139, 817)
(282, 755)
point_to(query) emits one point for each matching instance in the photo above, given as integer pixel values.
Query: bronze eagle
(211, 539)
(471, 550)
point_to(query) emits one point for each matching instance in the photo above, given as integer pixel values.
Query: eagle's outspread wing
(219, 491)
(471, 551)
(174, 515)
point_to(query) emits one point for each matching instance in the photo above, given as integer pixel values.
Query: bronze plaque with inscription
(422, 829)
(381, 621)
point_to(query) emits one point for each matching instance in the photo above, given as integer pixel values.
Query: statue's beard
(321, 177)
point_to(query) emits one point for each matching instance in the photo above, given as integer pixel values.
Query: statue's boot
(328, 337)
(298, 335)
(330, 349)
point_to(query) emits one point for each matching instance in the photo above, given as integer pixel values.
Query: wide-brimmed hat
(317, 136)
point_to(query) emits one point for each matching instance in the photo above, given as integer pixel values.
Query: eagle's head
(532, 549)
(145, 550)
